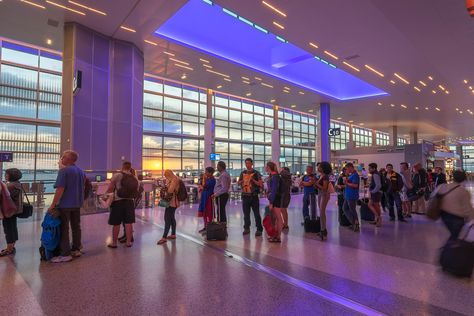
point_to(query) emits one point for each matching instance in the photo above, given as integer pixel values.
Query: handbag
(433, 209)
(412, 196)
(164, 203)
(106, 200)
(8, 206)
(27, 207)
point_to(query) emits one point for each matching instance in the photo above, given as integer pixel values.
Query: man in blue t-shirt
(351, 195)
(68, 198)
(309, 193)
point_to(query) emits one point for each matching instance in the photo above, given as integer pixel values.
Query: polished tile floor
(390, 270)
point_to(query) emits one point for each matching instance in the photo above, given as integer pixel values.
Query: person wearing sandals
(274, 198)
(205, 206)
(322, 184)
(285, 189)
(12, 176)
(122, 210)
(172, 182)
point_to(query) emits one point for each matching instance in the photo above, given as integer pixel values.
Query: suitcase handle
(215, 210)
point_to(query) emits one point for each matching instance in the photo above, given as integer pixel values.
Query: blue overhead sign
(6, 157)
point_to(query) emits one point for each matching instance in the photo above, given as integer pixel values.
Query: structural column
(374, 137)
(209, 133)
(414, 137)
(323, 148)
(276, 138)
(393, 136)
(103, 120)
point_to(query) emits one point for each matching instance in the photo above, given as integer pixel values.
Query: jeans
(350, 211)
(222, 202)
(453, 223)
(394, 197)
(70, 217)
(170, 221)
(309, 200)
(251, 202)
(10, 229)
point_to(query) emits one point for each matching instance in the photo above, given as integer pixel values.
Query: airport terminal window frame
(362, 136)
(401, 141)
(340, 142)
(382, 139)
(468, 163)
(30, 104)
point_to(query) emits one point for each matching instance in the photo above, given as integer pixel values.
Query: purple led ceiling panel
(212, 29)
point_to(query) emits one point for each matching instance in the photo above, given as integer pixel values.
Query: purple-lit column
(209, 132)
(323, 149)
(276, 138)
(103, 120)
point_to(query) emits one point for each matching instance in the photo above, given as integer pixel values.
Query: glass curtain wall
(382, 139)
(30, 110)
(362, 136)
(401, 141)
(340, 142)
(468, 158)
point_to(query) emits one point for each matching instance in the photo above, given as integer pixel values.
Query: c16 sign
(334, 131)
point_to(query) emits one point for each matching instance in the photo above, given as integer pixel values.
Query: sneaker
(76, 253)
(246, 231)
(60, 259)
(258, 233)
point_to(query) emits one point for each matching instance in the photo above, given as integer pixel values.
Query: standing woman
(285, 189)
(12, 176)
(322, 184)
(172, 182)
(274, 198)
(205, 206)
(375, 188)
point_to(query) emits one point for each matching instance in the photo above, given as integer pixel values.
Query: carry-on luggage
(457, 256)
(269, 223)
(365, 212)
(343, 221)
(312, 225)
(50, 237)
(216, 230)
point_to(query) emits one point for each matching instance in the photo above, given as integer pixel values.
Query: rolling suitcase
(313, 224)
(216, 230)
(269, 223)
(365, 212)
(457, 256)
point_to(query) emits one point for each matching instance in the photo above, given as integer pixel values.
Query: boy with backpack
(394, 185)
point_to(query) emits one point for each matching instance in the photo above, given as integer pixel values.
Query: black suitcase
(365, 212)
(457, 258)
(216, 230)
(343, 221)
(312, 225)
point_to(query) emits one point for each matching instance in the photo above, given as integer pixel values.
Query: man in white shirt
(221, 190)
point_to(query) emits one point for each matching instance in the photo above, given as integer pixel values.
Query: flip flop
(112, 246)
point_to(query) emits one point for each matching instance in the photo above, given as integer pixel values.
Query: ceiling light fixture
(286, 91)
(258, 78)
(422, 83)
(272, 100)
(417, 108)
(300, 92)
(392, 105)
(248, 94)
(441, 87)
(401, 78)
(227, 79)
(204, 60)
(217, 73)
(207, 66)
(183, 76)
(379, 103)
(34, 4)
(179, 61)
(375, 71)
(247, 82)
(427, 108)
(266, 85)
(416, 88)
(403, 106)
(331, 55)
(151, 43)
(49, 41)
(274, 9)
(431, 78)
(278, 25)
(465, 81)
(438, 109)
(392, 82)
(286, 88)
(434, 91)
(293, 106)
(128, 29)
(64, 7)
(313, 45)
(168, 53)
(245, 78)
(310, 111)
(219, 86)
(351, 121)
(182, 66)
(88, 8)
(350, 66)
(447, 92)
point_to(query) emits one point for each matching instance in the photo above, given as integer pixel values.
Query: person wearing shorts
(375, 189)
(285, 188)
(274, 198)
(122, 210)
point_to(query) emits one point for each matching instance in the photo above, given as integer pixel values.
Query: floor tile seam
(320, 292)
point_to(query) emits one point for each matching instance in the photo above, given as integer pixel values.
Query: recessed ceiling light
(457, 109)
(204, 60)
(266, 85)
(272, 100)
(465, 81)
(293, 105)
(441, 87)
(311, 111)
(227, 79)
(180, 61)
(331, 55)
(274, 9)
(438, 109)
(403, 106)
(168, 53)
(88, 8)
(379, 103)
(258, 78)
(126, 28)
(278, 25)
(217, 73)
(361, 124)
(392, 105)
(219, 86)
(151, 43)
(183, 66)
(339, 118)
(447, 92)
(49, 41)
(300, 92)
(434, 91)
(422, 83)
(245, 81)
(417, 89)
(427, 108)
(245, 78)
(313, 45)
(207, 66)
(375, 71)
(351, 66)
(286, 91)
(64, 7)
(470, 87)
(429, 77)
(33, 4)
(183, 76)
(392, 82)
(401, 78)
(248, 94)
(351, 121)
(417, 108)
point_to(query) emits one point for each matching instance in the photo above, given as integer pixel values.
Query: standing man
(395, 185)
(309, 193)
(68, 198)
(420, 183)
(351, 195)
(407, 186)
(251, 182)
(221, 190)
(439, 178)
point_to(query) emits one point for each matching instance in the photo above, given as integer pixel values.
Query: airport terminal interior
(223, 157)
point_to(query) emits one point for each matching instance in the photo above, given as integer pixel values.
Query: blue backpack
(50, 237)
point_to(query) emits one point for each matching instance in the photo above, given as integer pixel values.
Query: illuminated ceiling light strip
(179, 61)
(434, 91)
(247, 82)
(272, 100)
(417, 89)
(403, 106)
(278, 25)
(245, 78)
(350, 66)
(64, 7)
(266, 85)
(465, 81)
(447, 92)
(258, 78)
(379, 103)
(286, 88)
(128, 29)
(401, 78)
(183, 66)
(219, 86)
(392, 82)
(429, 77)
(441, 87)
(274, 9)
(235, 15)
(168, 53)
(245, 21)
(207, 66)
(248, 94)
(208, 2)
(313, 45)
(217, 73)
(88, 8)
(204, 60)
(331, 55)
(422, 83)
(151, 43)
(438, 109)
(260, 28)
(375, 71)
(300, 92)
(227, 79)
(286, 91)
(281, 39)
(34, 4)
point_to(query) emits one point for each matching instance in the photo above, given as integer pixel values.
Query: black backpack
(385, 183)
(129, 187)
(182, 194)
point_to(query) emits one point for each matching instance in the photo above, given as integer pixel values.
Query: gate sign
(6, 157)
(334, 131)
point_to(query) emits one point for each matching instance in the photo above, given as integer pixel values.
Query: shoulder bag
(433, 209)
(27, 207)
